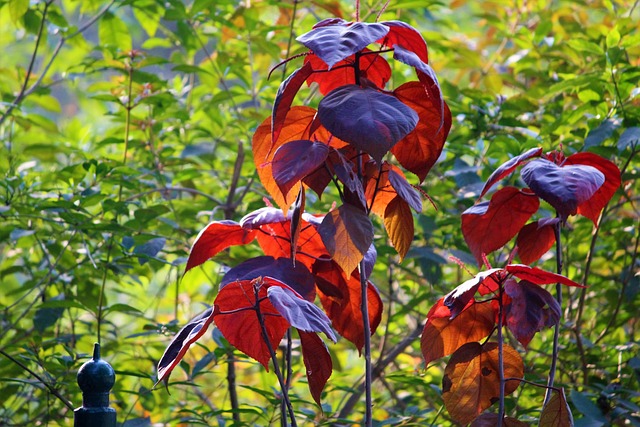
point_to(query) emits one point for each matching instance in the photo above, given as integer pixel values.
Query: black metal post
(95, 378)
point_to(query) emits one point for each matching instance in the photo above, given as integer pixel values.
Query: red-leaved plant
(344, 142)
(480, 374)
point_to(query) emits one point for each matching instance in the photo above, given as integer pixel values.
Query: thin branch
(366, 330)
(556, 331)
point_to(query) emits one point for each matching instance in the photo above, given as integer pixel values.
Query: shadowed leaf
(405, 190)
(317, 362)
(564, 188)
(532, 308)
(491, 420)
(488, 226)
(457, 299)
(216, 237)
(535, 239)
(347, 234)
(509, 166)
(442, 336)
(295, 160)
(338, 40)
(369, 120)
(398, 221)
(179, 345)
(284, 98)
(556, 412)
(471, 382)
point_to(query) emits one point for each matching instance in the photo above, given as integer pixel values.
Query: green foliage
(112, 160)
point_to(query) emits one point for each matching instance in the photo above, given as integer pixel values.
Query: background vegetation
(126, 127)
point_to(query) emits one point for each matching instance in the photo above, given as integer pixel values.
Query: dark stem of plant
(231, 385)
(366, 329)
(500, 355)
(274, 359)
(556, 330)
(288, 370)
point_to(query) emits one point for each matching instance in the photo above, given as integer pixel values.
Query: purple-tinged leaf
(370, 260)
(335, 41)
(426, 75)
(488, 226)
(331, 21)
(531, 309)
(216, 237)
(507, 167)
(347, 233)
(405, 190)
(297, 278)
(345, 174)
(403, 34)
(296, 222)
(317, 362)
(299, 312)
(262, 216)
(538, 276)
(564, 188)
(284, 98)
(457, 299)
(181, 343)
(295, 160)
(369, 120)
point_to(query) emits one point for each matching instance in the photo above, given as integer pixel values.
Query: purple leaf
(334, 41)
(300, 313)
(508, 167)
(532, 308)
(345, 174)
(457, 299)
(297, 278)
(564, 188)
(295, 160)
(369, 120)
(405, 190)
(317, 361)
(286, 92)
(262, 216)
(370, 260)
(181, 343)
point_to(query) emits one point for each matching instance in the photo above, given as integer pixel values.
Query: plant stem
(556, 330)
(231, 385)
(366, 330)
(274, 359)
(500, 356)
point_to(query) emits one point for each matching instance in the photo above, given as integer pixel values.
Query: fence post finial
(95, 378)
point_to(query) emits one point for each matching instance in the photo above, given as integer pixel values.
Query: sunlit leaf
(398, 221)
(263, 216)
(457, 299)
(317, 362)
(347, 233)
(564, 188)
(403, 34)
(471, 382)
(405, 191)
(488, 226)
(284, 98)
(509, 166)
(179, 345)
(556, 413)
(300, 313)
(442, 336)
(538, 276)
(216, 237)
(535, 239)
(369, 120)
(337, 40)
(296, 222)
(531, 309)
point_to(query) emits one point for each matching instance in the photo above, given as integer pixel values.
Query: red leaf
(538, 276)
(488, 226)
(508, 167)
(593, 206)
(296, 222)
(179, 345)
(405, 35)
(398, 221)
(317, 362)
(564, 188)
(471, 382)
(369, 120)
(300, 313)
(532, 308)
(458, 299)
(241, 327)
(216, 237)
(419, 150)
(338, 40)
(347, 233)
(284, 98)
(341, 298)
(296, 277)
(373, 67)
(295, 160)
(442, 336)
(534, 240)
(556, 412)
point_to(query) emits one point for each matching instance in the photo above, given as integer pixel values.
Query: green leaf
(113, 33)
(148, 14)
(17, 9)
(149, 249)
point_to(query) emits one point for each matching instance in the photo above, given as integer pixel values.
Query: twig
(366, 330)
(556, 330)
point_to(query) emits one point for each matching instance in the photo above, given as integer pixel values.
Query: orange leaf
(471, 382)
(398, 222)
(214, 238)
(442, 336)
(556, 412)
